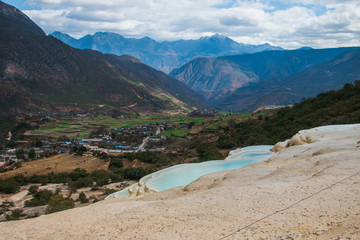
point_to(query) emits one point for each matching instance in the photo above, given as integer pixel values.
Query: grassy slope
(333, 107)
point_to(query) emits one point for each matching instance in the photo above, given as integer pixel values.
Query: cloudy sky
(286, 23)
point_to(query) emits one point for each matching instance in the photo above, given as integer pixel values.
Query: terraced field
(81, 127)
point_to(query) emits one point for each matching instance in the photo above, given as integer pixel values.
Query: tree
(33, 189)
(59, 203)
(15, 215)
(208, 151)
(231, 123)
(38, 143)
(116, 163)
(82, 198)
(79, 150)
(20, 154)
(32, 154)
(9, 186)
(40, 198)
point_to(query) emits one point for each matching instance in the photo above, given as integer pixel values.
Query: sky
(286, 23)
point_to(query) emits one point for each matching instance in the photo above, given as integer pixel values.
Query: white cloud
(286, 23)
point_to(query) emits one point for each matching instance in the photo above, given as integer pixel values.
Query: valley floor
(309, 190)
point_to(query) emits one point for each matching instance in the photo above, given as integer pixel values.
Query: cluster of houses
(11, 155)
(123, 140)
(80, 113)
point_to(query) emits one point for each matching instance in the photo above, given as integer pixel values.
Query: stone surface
(306, 191)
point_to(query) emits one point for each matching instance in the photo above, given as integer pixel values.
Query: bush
(108, 191)
(59, 203)
(226, 142)
(81, 182)
(15, 215)
(101, 155)
(82, 198)
(43, 179)
(208, 151)
(135, 173)
(5, 206)
(95, 200)
(34, 215)
(78, 150)
(40, 198)
(9, 185)
(101, 177)
(78, 173)
(32, 154)
(33, 189)
(116, 163)
(20, 154)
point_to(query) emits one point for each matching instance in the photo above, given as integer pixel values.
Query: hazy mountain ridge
(41, 72)
(218, 78)
(165, 55)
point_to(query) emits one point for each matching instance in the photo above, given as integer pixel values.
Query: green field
(82, 127)
(176, 132)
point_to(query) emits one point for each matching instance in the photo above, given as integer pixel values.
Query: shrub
(34, 215)
(40, 198)
(59, 203)
(32, 154)
(116, 163)
(135, 173)
(9, 185)
(226, 142)
(208, 151)
(33, 189)
(15, 215)
(108, 191)
(82, 198)
(20, 154)
(81, 182)
(101, 177)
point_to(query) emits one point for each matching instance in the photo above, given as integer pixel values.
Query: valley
(84, 120)
(176, 139)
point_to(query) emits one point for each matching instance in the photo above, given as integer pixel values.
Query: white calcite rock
(307, 191)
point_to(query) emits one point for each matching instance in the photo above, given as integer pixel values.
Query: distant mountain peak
(305, 48)
(217, 35)
(40, 72)
(168, 55)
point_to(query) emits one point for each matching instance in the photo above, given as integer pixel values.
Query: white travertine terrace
(183, 174)
(309, 190)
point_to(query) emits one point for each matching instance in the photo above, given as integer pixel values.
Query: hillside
(39, 72)
(218, 78)
(331, 75)
(333, 107)
(163, 56)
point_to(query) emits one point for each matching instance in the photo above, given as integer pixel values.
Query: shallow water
(183, 174)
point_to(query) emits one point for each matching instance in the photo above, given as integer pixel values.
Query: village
(140, 138)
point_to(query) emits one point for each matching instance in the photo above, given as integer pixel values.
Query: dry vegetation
(57, 164)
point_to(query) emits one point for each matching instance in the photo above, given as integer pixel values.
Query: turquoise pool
(183, 174)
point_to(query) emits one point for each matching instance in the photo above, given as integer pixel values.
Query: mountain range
(246, 82)
(39, 72)
(163, 56)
